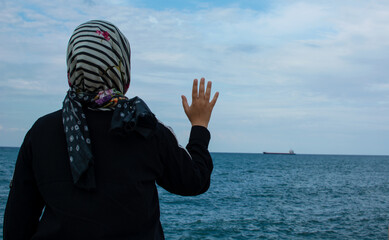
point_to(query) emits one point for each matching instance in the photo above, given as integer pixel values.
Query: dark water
(255, 196)
(7, 165)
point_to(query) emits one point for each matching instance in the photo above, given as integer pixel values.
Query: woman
(92, 166)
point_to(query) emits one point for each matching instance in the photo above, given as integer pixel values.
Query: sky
(311, 76)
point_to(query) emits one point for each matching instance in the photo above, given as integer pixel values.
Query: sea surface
(256, 196)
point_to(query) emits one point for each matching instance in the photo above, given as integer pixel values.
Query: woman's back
(92, 166)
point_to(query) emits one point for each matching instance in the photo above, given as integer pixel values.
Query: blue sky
(305, 75)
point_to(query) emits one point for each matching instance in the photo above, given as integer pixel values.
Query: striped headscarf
(98, 60)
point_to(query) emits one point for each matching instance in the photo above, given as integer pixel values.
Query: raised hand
(199, 112)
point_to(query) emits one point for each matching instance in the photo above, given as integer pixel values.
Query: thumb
(185, 103)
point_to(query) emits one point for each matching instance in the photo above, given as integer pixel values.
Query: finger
(208, 91)
(201, 89)
(194, 89)
(213, 102)
(185, 103)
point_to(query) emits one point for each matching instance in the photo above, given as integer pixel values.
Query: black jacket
(125, 204)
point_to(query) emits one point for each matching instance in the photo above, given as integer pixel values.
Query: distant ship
(291, 152)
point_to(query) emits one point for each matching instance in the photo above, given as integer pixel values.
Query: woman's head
(98, 58)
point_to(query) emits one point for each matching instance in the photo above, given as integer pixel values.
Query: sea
(257, 196)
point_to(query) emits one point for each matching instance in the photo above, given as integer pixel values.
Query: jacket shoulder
(49, 119)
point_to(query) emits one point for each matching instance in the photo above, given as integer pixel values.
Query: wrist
(199, 123)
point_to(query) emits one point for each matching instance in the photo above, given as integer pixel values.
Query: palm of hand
(200, 110)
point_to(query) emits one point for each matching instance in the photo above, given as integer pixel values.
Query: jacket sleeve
(187, 171)
(24, 205)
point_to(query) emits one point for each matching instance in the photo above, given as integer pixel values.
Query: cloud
(383, 87)
(312, 66)
(12, 129)
(15, 129)
(21, 84)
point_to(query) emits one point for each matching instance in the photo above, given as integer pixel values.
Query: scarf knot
(129, 116)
